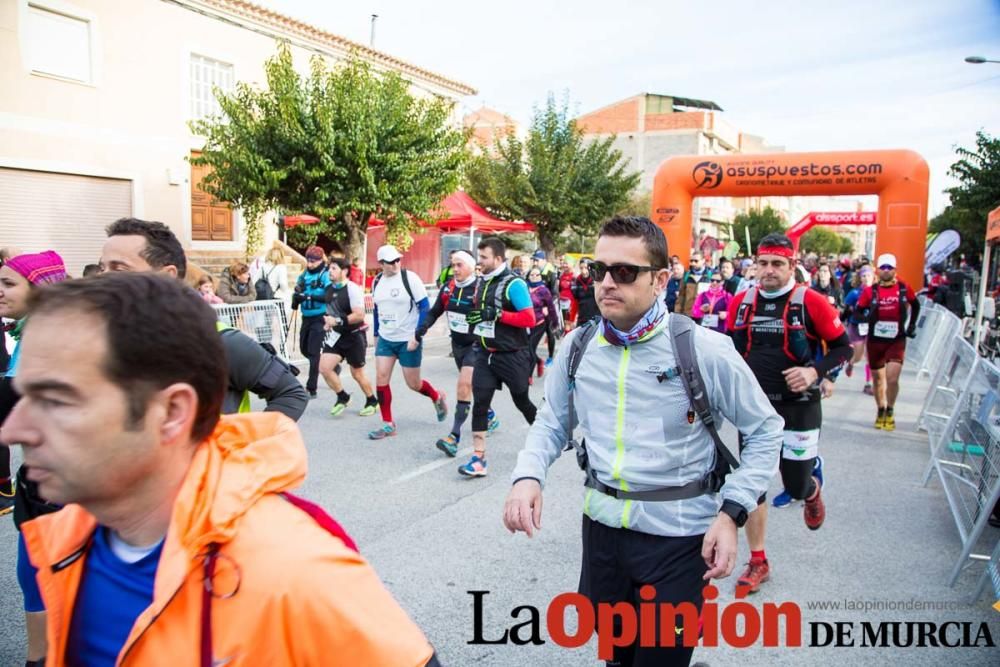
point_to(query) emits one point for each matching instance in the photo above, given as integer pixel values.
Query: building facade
(95, 101)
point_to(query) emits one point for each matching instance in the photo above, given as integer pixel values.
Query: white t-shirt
(397, 315)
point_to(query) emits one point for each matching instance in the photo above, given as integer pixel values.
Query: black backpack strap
(409, 290)
(682, 339)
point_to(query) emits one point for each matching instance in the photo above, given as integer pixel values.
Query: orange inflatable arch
(899, 178)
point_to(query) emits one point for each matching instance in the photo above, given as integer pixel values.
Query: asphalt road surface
(433, 535)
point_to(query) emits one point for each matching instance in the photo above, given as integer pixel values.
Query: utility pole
(371, 40)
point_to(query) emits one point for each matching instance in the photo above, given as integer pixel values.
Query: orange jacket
(286, 591)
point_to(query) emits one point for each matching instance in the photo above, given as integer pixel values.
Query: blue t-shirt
(112, 595)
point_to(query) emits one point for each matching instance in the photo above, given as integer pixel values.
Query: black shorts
(465, 355)
(351, 347)
(496, 368)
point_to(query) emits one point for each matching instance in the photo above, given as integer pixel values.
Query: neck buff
(465, 283)
(535, 283)
(649, 322)
(779, 292)
(496, 272)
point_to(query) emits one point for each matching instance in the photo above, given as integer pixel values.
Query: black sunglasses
(622, 274)
(886, 267)
(395, 261)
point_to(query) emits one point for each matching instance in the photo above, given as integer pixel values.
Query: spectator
(567, 304)
(825, 284)
(275, 272)
(695, 282)
(711, 307)
(517, 266)
(674, 285)
(235, 285)
(206, 287)
(730, 280)
(355, 274)
(583, 292)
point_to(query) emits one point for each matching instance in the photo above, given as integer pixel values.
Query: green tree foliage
(821, 241)
(761, 223)
(846, 246)
(555, 178)
(343, 144)
(640, 204)
(978, 193)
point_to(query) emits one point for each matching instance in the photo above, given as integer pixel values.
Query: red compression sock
(758, 554)
(384, 393)
(427, 390)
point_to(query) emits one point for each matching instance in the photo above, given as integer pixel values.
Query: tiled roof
(294, 26)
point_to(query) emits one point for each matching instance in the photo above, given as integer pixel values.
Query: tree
(760, 223)
(343, 144)
(978, 192)
(639, 204)
(555, 178)
(821, 241)
(846, 246)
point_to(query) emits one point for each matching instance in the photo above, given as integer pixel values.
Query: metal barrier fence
(961, 414)
(936, 328)
(264, 321)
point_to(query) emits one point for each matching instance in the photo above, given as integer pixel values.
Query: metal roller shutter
(67, 213)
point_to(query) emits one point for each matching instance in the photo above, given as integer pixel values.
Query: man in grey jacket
(641, 435)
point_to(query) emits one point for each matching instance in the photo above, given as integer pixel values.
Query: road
(433, 535)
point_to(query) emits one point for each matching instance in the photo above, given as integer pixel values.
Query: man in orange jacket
(178, 543)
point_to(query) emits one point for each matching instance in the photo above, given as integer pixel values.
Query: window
(207, 73)
(58, 44)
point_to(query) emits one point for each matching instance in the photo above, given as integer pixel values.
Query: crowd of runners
(758, 341)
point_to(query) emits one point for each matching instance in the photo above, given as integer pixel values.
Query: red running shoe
(814, 511)
(541, 368)
(758, 571)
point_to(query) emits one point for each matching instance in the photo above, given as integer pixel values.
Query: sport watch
(735, 511)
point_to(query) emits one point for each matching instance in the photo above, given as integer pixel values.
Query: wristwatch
(735, 512)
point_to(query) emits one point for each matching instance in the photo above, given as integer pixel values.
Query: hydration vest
(796, 338)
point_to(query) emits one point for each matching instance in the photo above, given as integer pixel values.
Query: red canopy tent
(460, 214)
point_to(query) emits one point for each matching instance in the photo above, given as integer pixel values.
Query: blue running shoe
(783, 499)
(818, 471)
(448, 444)
(493, 423)
(476, 467)
(387, 430)
(548, 362)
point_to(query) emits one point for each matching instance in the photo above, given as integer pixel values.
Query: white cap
(388, 253)
(886, 259)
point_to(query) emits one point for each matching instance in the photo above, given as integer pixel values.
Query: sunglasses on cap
(622, 274)
(886, 267)
(395, 261)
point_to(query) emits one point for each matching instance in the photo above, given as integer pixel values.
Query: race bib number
(458, 323)
(387, 318)
(886, 329)
(710, 321)
(863, 329)
(564, 304)
(486, 329)
(800, 445)
(331, 338)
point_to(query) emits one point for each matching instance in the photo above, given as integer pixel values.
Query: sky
(804, 75)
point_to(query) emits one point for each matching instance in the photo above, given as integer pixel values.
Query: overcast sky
(804, 75)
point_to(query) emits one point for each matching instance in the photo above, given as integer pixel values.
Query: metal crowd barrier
(961, 414)
(936, 328)
(264, 321)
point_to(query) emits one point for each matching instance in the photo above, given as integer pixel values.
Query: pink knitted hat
(39, 268)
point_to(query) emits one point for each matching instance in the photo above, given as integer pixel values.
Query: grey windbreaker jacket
(638, 434)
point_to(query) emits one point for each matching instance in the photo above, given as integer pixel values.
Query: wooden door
(211, 219)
